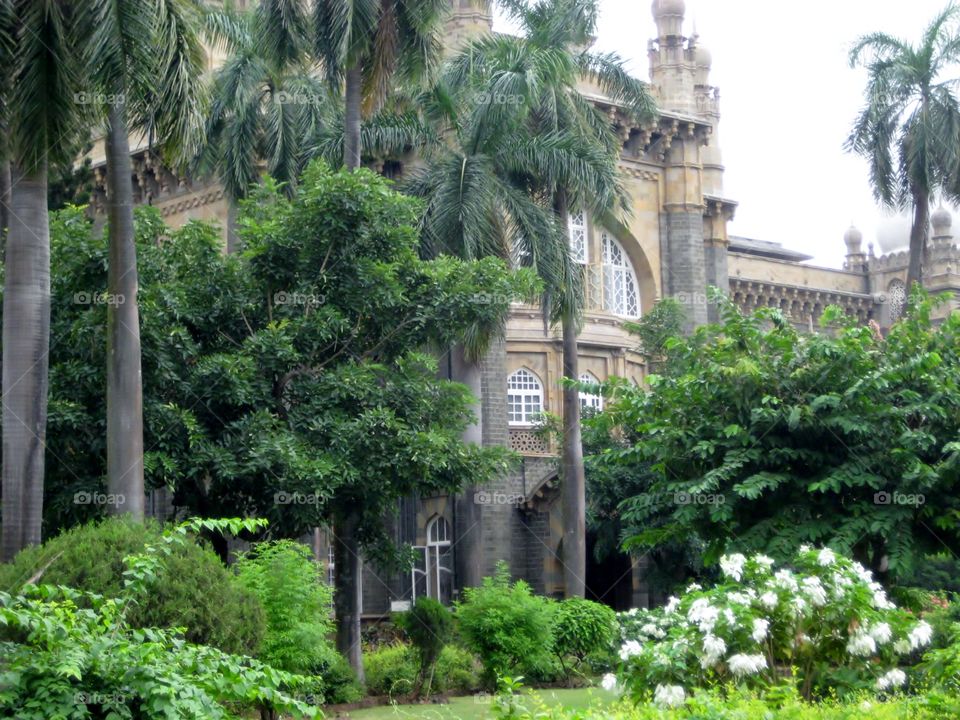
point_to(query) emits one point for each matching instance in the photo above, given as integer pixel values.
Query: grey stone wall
(717, 273)
(685, 258)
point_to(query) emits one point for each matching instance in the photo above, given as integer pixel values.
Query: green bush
(338, 683)
(427, 624)
(298, 604)
(391, 670)
(457, 671)
(193, 589)
(581, 628)
(507, 626)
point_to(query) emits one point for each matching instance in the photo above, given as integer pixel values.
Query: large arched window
(590, 403)
(524, 398)
(577, 229)
(621, 294)
(433, 577)
(897, 297)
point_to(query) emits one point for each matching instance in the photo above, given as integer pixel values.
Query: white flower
(798, 605)
(760, 629)
(730, 617)
(672, 604)
(741, 665)
(920, 635)
(815, 591)
(669, 695)
(901, 647)
(703, 615)
(862, 573)
(785, 579)
(629, 649)
(741, 598)
(693, 587)
(826, 557)
(713, 650)
(732, 565)
(652, 630)
(861, 644)
(769, 600)
(893, 679)
(881, 632)
(609, 682)
(805, 548)
(632, 612)
(880, 600)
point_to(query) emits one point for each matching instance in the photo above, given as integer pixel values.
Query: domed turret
(703, 57)
(942, 221)
(668, 15)
(668, 7)
(854, 240)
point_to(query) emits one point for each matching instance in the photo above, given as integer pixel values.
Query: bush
(338, 683)
(457, 671)
(298, 604)
(581, 628)
(193, 588)
(391, 670)
(427, 624)
(827, 619)
(507, 626)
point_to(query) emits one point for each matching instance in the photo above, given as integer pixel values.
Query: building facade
(673, 243)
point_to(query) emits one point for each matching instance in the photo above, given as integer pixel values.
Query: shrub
(391, 670)
(193, 589)
(338, 683)
(827, 619)
(298, 604)
(582, 627)
(427, 624)
(457, 671)
(506, 625)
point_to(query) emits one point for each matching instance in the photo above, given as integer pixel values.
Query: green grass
(477, 707)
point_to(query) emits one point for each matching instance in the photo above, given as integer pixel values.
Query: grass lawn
(477, 707)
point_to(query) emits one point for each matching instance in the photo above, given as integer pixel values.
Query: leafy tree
(428, 625)
(40, 120)
(909, 126)
(761, 438)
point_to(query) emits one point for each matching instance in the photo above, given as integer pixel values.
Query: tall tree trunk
(124, 383)
(347, 590)
(351, 121)
(918, 238)
(26, 346)
(5, 184)
(574, 479)
(469, 518)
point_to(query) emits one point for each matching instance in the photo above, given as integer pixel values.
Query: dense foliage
(758, 434)
(428, 624)
(394, 670)
(194, 590)
(581, 627)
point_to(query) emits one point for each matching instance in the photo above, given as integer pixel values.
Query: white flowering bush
(824, 624)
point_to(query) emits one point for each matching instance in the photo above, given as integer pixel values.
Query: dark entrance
(609, 581)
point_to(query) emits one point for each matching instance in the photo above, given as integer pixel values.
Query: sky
(788, 98)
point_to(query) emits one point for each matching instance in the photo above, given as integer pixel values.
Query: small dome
(668, 7)
(941, 218)
(853, 237)
(703, 57)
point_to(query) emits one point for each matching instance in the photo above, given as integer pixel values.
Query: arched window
(590, 403)
(524, 398)
(897, 297)
(620, 287)
(577, 229)
(438, 532)
(435, 579)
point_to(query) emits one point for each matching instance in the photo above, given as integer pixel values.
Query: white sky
(788, 98)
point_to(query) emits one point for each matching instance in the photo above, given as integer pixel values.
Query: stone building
(674, 243)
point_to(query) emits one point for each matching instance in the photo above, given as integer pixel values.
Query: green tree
(909, 127)
(368, 46)
(160, 93)
(567, 157)
(38, 49)
(761, 438)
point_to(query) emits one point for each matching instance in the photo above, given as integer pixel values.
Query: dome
(703, 57)
(941, 219)
(668, 7)
(853, 238)
(893, 233)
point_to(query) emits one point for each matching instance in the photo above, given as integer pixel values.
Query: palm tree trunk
(574, 478)
(124, 383)
(918, 238)
(4, 203)
(351, 121)
(347, 590)
(26, 346)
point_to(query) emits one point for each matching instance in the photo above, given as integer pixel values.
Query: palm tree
(145, 61)
(570, 155)
(368, 46)
(41, 118)
(267, 100)
(909, 128)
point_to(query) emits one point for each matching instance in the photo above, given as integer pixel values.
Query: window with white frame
(620, 288)
(433, 577)
(524, 398)
(589, 402)
(577, 229)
